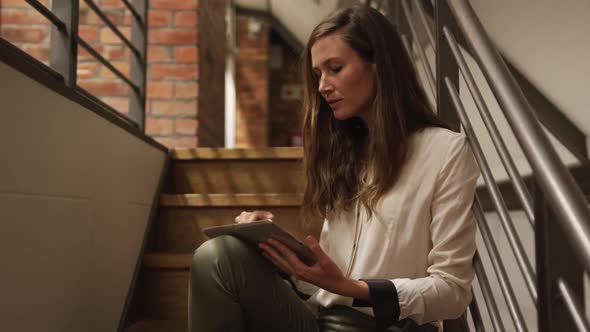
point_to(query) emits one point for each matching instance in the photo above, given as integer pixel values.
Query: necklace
(358, 230)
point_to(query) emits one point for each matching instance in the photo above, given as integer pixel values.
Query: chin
(342, 115)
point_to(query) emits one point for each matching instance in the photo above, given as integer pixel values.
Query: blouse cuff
(384, 301)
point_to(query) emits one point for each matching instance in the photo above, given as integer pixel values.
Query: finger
(260, 215)
(276, 257)
(315, 247)
(288, 254)
(242, 218)
(280, 266)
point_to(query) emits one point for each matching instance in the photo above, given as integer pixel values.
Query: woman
(393, 185)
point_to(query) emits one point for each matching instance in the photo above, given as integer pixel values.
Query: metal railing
(65, 40)
(559, 212)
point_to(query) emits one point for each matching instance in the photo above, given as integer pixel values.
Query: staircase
(209, 187)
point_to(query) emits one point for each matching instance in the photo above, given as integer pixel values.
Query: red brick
(88, 33)
(186, 90)
(115, 53)
(121, 104)
(87, 69)
(178, 142)
(112, 4)
(107, 36)
(172, 72)
(127, 18)
(186, 19)
(158, 54)
(84, 55)
(20, 16)
(28, 35)
(186, 54)
(159, 18)
(174, 4)
(101, 88)
(122, 66)
(159, 89)
(20, 3)
(38, 52)
(186, 126)
(188, 108)
(172, 37)
(156, 126)
(87, 16)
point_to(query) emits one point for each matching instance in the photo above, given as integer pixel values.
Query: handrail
(476, 315)
(65, 41)
(112, 26)
(564, 196)
(573, 306)
(48, 14)
(106, 63)
(457, 18)
(421, 54)
(507, 223)
(133, 11)
(486, 291)
(499, 268)
(424, 21)
(520, 188)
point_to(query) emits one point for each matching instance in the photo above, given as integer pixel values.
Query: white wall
(75, 196)
(549, 42)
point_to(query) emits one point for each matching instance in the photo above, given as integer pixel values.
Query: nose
(325, 87)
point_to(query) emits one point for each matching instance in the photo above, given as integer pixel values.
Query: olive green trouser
(234, 289)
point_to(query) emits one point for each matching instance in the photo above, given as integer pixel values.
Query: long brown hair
(333, 149)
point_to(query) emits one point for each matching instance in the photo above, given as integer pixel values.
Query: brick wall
(173, 71)
(285, 95)
(252, 75)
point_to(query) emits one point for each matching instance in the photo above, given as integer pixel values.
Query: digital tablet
(259, 231)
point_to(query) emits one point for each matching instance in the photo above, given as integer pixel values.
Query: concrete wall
(75, 196)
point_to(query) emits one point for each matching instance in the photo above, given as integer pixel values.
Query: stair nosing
(228, 200)
(167, 261)
(233, 154)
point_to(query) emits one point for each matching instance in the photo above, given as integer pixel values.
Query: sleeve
(446, 292)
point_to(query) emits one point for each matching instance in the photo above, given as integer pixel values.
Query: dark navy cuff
(384, 301)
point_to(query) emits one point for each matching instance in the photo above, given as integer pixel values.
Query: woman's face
(345, 80)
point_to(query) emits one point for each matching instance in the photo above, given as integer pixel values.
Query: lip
(334, 101)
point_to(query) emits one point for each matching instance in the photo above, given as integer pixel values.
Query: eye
(336, 70)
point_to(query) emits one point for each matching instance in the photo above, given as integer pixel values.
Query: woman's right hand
(246, 217)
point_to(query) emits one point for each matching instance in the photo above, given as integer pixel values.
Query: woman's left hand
(324, 273)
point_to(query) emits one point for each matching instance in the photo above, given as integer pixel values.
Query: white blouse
(421, 238)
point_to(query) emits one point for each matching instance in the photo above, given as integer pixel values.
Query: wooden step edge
(149, 325)
(167, 261)
(221, 153)
(228, 200)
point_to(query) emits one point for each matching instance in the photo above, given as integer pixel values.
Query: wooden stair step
(226, 200)
(222, 153)
(167, 261)
(255, 173)
(158, 326)
(164, 288)
(180, 229)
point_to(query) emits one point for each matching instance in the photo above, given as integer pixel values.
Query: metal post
(555, 259)
(445, 65)
(139, 34)
(64, 46)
